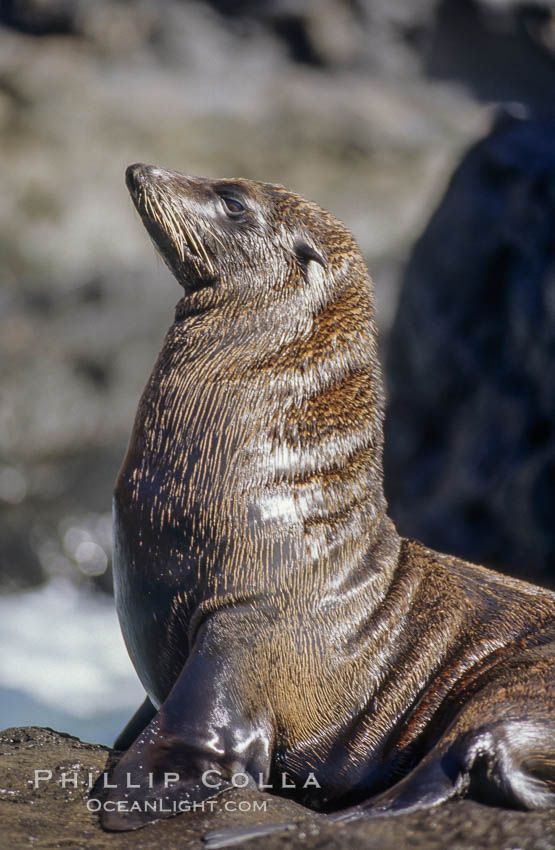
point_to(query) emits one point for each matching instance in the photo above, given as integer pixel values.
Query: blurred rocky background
(366, 106)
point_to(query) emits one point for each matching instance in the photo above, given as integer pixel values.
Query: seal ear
(305, 253)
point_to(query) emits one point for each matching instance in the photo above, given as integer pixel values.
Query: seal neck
(261, 440)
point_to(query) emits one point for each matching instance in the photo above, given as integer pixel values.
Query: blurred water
(64, 663)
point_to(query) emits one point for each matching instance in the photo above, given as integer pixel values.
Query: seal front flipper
(199, 740)
(138, 722)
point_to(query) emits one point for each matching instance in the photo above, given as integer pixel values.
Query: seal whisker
(216, 238)
(195, 240)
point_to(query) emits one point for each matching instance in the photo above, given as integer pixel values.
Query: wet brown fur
(251, 527)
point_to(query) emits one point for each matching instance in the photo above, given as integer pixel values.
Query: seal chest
(278, 623)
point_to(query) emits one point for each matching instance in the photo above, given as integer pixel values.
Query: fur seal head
(242, 240)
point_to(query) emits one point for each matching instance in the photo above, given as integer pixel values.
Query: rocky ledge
(53, 816)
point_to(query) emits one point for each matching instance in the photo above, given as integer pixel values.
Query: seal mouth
(172, 233)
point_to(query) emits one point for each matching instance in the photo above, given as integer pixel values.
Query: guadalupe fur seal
(280, 626)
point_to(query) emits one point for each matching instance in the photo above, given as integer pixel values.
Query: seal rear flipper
(435, 780)
(509, 764)
(135, 726)
(512, 764)
(191, 750)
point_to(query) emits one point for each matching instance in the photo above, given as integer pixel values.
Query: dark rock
(470, 431)
(50, 815)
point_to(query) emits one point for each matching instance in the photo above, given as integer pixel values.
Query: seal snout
(134, 176)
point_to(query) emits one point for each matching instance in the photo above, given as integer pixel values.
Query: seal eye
(232, 205)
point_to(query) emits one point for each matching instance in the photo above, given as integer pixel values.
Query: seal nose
(133, 176)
